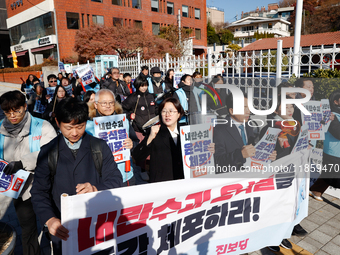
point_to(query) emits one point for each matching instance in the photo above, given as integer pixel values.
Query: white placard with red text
(223, 215)
(314, 121)
(114, 130)
(12, 185)
(196, 157)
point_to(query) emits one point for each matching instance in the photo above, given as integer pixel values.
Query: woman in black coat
(162, 143)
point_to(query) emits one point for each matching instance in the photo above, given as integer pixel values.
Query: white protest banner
(326, 114)
(191, 216)
(29, 91)
(12, 185)
(61, 67)
(38, 107)
(82, 70)
(315, 161)
(195, 140)
(264, 148)
(314, 121)
(177, 78)
(114, 130)
(68, 68)
(68, 89)
(302, 141)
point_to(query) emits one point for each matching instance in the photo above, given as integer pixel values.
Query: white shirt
(174, 134)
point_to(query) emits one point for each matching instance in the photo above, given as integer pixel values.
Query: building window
(170, 8)
(117, 2)
(88, 20)
(197, 34)
(137, 4)
(98, 1)
(97, 20)
(72, 20)
(82, 20)
(248, 28)
(197, 13)
(155, 28)
(185, 11)
(138, 24)
(117, 22)
(154, 5)
(270, 25)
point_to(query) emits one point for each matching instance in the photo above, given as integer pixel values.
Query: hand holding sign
(127, 144)
(13, 167)
(248, 151)
(55, 228)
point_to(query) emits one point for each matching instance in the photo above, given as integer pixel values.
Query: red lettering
(199, 197)
(104, 227)
(247, 190)
(227, 192)
(265, 184)
(84, 239)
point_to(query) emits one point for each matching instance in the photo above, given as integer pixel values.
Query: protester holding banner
(118, 87)
(72, 163)
(331, 152)
(34, 103)
(21, 136)
(29, 82)
(140, 107)
(106, 105)
(162, 143)
(49, 114)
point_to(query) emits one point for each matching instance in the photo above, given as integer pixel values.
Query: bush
(47, 62)
(325, 82)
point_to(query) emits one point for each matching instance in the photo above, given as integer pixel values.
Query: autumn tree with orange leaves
(125, 41)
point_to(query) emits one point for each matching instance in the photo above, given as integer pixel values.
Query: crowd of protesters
(63, 113)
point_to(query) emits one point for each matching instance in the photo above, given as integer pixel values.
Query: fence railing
(256, 69)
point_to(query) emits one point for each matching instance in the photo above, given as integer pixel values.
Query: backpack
(95, 150)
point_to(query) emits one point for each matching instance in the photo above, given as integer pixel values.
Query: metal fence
(260, 70)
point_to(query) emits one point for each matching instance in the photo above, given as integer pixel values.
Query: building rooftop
(288, 42)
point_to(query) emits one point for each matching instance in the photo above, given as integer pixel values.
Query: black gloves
(13, 167)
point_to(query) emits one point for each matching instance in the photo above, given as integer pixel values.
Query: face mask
(157, 79)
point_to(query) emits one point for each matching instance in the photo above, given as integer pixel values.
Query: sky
(233, 7)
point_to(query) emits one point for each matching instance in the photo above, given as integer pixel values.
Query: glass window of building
(137, 4)
(98, 20)
(72, 20)
(197, 13)
(154, 5)
(98, 1)
(170, 8)
(138, 24)
(116, 2)
(197, 34)
(33, 29)
(185, 11)
(117, 21)
(155, 28)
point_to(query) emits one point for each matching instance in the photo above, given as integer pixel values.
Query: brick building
(34, 25)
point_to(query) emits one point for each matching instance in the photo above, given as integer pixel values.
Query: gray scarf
(16, 128)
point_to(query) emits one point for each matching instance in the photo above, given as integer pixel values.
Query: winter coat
(18, 148)
(117, 87)
(145, 110)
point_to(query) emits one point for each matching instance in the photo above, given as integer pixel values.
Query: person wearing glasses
(118, 87)
(162, 143)
(106, 105)
(21, 137)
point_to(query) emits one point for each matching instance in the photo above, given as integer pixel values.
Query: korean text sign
(12, 185)
(114, 130)
(195, 140)
(193, 216)
(315, 120)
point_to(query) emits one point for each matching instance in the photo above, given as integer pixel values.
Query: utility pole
(297, 37)
(179, 27)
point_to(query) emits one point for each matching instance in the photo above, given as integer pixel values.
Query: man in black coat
(76, 171)
(117, 86)
(234, 139)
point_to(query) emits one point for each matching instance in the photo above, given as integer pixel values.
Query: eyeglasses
(168, 112)
(112, 103)
(115, 72)
(17, 112)
(53, 81)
